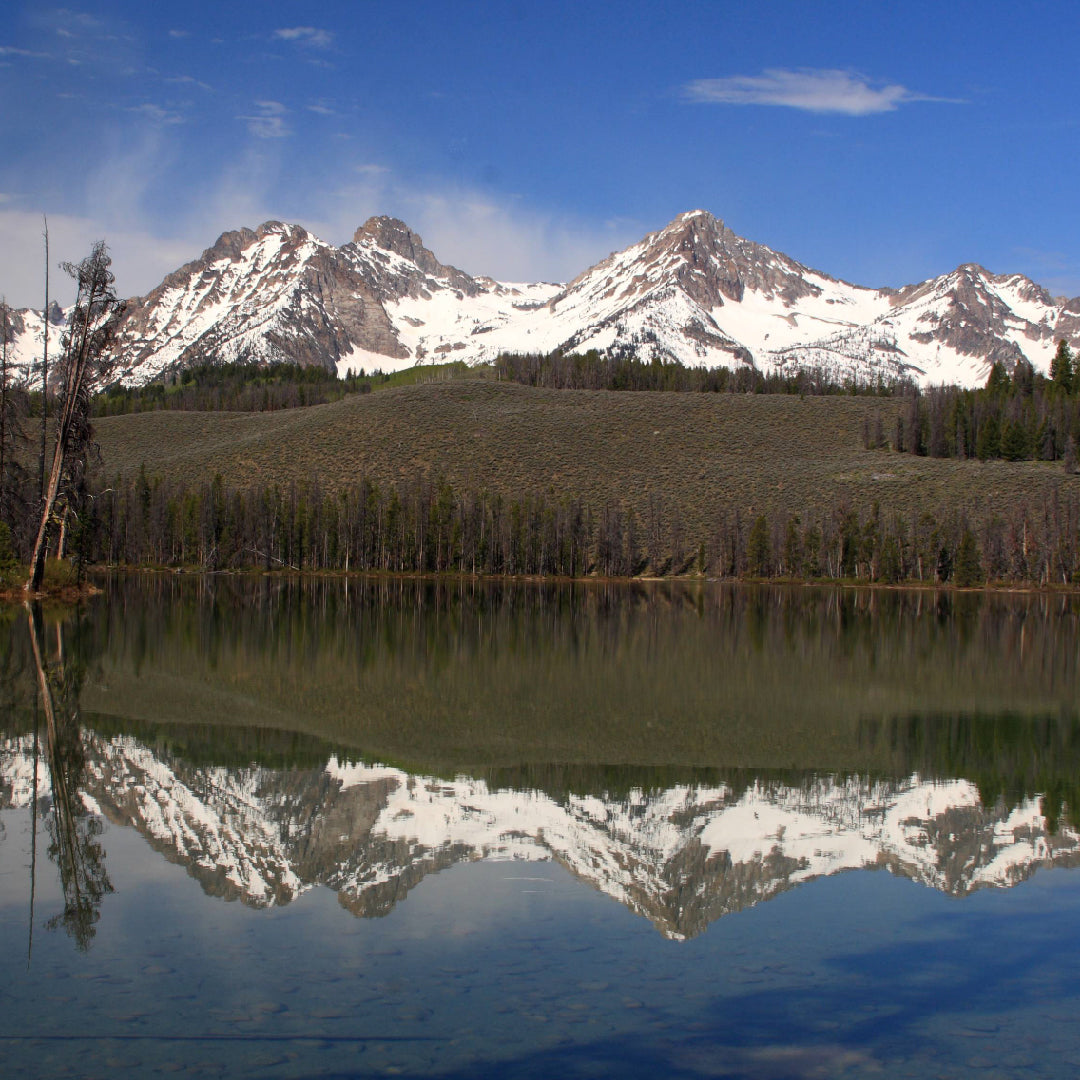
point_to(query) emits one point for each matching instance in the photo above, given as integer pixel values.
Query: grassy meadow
(706, 454)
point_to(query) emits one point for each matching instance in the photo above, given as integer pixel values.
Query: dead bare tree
(44, 366)
(85, 359)
(5, 333)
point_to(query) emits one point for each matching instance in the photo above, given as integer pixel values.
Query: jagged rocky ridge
(681, 857)
(693, 291)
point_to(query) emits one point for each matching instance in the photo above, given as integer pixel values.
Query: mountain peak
(693, 290)
(392, 234)
(690, 215)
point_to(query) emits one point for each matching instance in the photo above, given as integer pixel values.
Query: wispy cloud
(156, 113)
(188, 80)
(1046, 260)
(321, 109)
(268, 121)
(141, 257)
(77, 18)
(1054, 270)
(817, 90)
(179, 33)
(306, 35)
(11, 50)
(370, 170)
(479, 232)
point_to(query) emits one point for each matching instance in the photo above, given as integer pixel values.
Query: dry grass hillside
(707, 453)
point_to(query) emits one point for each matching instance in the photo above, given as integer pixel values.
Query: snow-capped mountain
(693, 291)
(681, 857)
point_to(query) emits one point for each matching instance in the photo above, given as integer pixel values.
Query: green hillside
(706, 454)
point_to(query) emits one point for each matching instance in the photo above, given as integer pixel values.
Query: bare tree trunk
(37, 559)
(3, 411)
(63, 533)
(44, 368)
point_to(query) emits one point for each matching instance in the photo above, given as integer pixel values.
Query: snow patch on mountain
(693, 291)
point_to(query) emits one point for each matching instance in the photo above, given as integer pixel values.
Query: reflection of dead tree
(33, 838)
(73, 832)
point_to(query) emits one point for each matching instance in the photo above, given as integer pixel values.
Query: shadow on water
(885, 1006)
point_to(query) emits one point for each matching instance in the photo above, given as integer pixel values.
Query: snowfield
(694, 292)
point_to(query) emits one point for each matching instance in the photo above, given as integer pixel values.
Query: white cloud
(156, 113)
(268, 121)
(140, 258)
(507, 241)
(11, 50)
(306, 35)
(810, 89)
(188, 80)
(120, 201)
(475, 231)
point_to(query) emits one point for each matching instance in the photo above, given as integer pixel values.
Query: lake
(261, 827)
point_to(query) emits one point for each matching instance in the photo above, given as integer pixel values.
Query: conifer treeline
(427, 526)
(626, 371)
(1016, 417)
(234, 388)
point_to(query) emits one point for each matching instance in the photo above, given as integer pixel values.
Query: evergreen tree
(1015, 444)
(968, 568)
(1061, 367)
(793, 547)
(988, 443)
(9, 563)
(890, 567)
(997, 382)
(850, 541)
(944, 564)
(758, 553)
(1070, 455)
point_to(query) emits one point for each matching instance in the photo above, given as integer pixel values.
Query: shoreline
(76, 593)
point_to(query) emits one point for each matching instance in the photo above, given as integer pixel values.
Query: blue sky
(880, 143)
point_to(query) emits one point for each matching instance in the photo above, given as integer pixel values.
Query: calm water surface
(261, 828)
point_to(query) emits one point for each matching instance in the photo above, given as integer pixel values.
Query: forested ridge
(426, 526)
(236, 388)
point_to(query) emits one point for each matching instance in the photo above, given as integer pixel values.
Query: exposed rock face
(967, 311)
(694, 292)
(275, 293)
(421, 273)
(707, 261)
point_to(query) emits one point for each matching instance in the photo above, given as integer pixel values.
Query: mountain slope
(694, 292)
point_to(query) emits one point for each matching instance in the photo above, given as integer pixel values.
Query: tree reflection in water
(74, 832)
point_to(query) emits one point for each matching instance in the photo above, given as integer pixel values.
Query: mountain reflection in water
(681, 856)
(718, 799)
